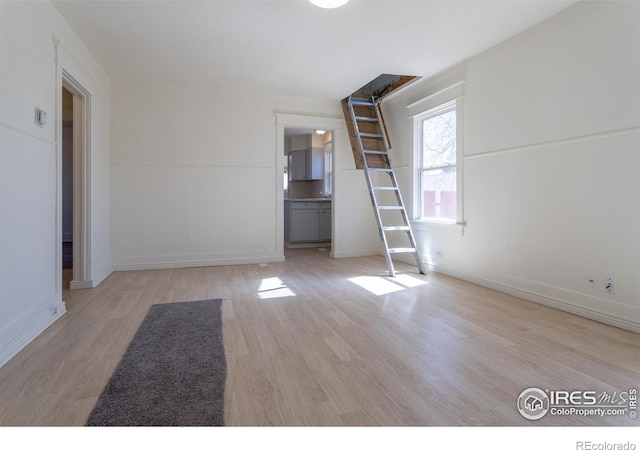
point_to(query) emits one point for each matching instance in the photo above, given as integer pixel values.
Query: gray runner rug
(172, 374)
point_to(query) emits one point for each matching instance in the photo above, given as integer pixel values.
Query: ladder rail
(392, 174)
(374, 200)
(382, 135)
(385, 132)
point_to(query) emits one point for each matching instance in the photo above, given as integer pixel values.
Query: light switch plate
(41, 117)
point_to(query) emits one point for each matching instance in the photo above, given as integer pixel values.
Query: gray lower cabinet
(325, 221)
(308, 221)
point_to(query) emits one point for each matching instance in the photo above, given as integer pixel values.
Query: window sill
(438, 227)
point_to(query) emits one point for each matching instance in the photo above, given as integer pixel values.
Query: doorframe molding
(73, 78)
(283, 121)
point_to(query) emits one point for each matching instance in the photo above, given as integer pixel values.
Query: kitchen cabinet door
(305, 224)
(305, 165)
(315, 164)
(325, 222)
(298, 165)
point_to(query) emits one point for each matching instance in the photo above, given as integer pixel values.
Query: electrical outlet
(610, 285)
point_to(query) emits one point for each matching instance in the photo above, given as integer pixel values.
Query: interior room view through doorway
(308, 188)
(74, 185)
(67, 185)
(306, 148)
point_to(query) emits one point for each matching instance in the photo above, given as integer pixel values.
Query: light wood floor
(306, 344)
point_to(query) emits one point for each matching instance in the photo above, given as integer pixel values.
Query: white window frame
(423, 109)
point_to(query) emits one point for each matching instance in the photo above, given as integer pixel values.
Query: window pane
(439, 140)
(439, 194)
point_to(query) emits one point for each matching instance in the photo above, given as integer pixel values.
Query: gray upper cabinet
(305, 165)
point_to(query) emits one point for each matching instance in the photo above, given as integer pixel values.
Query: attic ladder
(372, 144)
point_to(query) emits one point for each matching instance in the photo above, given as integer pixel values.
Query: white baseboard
(357, 254)
(84, 284)
(100, 274)
(20, 333)
(308, 245)
(589, 313)
(197, 263)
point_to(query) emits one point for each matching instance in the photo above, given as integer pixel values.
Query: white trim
(570, 140)
(438, 227)
(357, 254)
(26, 132)
(562, 305)
(38, 320)
(88, 284)
(457, 105)
(81, 177)
(182, 165)
(196, 263)
(589, 313)
(74, 77)
(101, 273)
(304, 121)
(444, 95)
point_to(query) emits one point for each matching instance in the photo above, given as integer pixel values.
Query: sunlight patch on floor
(408, 281)
(386, 285)
(274, 288)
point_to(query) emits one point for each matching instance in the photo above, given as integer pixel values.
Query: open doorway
(74, 179)
(308, 181)
(67, 185)
(301, 124)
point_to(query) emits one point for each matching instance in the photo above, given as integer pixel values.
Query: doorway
(308, 188)
(288, 127)
(67, 185)
(74, 179)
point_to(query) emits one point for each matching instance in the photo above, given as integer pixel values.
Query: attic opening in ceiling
(383, 85)
(376, 89)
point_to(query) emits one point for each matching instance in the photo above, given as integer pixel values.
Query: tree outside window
(438, 166)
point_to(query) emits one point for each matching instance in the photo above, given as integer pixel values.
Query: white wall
(551, 163)
(197, 179)
(30, 159)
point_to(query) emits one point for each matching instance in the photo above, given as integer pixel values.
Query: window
(286, 178)
(438, 161)
(328, 169)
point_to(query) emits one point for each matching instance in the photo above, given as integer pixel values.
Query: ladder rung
(371, 135)
(390, 207)
(366, 119)
(375, 152)
(379, 169)
(384, 188)
(362, 102)
(402, 250)
(396, 228)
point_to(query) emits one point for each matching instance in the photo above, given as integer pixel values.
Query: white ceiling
(290, 47)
